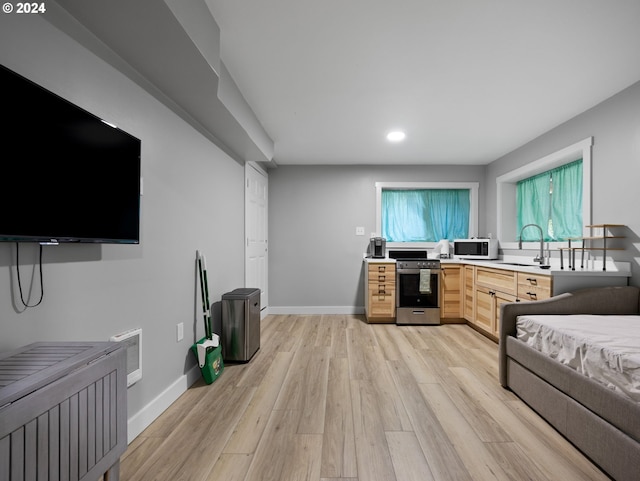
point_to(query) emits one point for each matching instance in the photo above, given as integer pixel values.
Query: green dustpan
(209, 360)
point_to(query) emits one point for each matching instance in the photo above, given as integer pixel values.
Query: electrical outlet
(359, 230)
(180, 331)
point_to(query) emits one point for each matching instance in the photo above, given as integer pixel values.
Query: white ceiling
(468, 80)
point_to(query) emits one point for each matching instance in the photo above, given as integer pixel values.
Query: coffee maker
(378, 247)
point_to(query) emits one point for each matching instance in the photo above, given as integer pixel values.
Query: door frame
(264, 311)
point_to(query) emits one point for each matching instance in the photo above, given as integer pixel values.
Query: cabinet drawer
(382, 273)
(382, 288)
(380, 268)
(390, 282)
(381, 305)
(532, 287)
(497, 279)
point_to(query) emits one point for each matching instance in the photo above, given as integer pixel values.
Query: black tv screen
(67, 175)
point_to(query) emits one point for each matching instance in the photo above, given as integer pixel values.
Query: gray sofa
(602, 424)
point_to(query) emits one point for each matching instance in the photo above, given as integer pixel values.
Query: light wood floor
(334, 398)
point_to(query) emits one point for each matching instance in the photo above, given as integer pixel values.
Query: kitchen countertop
(614, 268)
(386, 260)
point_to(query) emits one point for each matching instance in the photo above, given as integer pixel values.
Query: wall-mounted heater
(133, 342)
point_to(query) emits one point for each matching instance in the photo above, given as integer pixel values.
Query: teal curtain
(552, 200)
(533, 204)
(566, 207)
(425, 215)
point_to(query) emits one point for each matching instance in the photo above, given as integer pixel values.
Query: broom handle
(206, 294)
(202, 290)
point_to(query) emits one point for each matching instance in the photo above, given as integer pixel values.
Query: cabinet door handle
(381, 278)
(532, 294)
(533, 280)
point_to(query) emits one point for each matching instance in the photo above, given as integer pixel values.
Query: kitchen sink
(524, 265)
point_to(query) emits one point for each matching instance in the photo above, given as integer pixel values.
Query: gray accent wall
(615, 194)
(315, 258)
(193, 200)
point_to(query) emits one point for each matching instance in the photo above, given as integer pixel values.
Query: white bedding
(604, 348)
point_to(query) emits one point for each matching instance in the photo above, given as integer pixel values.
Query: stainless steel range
(417, 288)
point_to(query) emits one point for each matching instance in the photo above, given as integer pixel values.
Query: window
(422, 213)
(552, 200)
(507, 186)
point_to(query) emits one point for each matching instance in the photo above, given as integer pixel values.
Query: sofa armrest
(593, 300)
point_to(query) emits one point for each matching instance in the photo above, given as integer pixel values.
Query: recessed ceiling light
(396, 136)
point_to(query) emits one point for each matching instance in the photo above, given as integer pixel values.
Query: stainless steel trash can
(240, 337)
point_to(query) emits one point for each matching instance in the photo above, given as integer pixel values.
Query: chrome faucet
(540, 257)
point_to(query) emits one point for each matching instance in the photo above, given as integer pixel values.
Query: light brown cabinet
(500, 298)
(451, 292)
(468, 301)
(485, 287)
(502, 280)
(471, 292)
(534, 287)
(488, 302)
(484, 309)
(493, 287)
(380, 292)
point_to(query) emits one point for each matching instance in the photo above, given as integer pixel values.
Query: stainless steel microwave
(475, 248)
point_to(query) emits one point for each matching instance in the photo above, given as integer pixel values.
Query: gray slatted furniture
(63, 411)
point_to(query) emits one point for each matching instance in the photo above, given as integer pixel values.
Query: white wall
(193, 200)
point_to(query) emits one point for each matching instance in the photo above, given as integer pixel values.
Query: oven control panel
(418, 264)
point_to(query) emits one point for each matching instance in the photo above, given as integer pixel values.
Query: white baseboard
(143, 418)
(316, 309)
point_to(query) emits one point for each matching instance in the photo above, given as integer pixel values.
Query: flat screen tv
(67, 176)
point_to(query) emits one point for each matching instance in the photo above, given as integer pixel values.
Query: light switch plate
(179, 331)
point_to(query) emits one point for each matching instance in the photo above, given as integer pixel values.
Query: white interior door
(256, 231)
